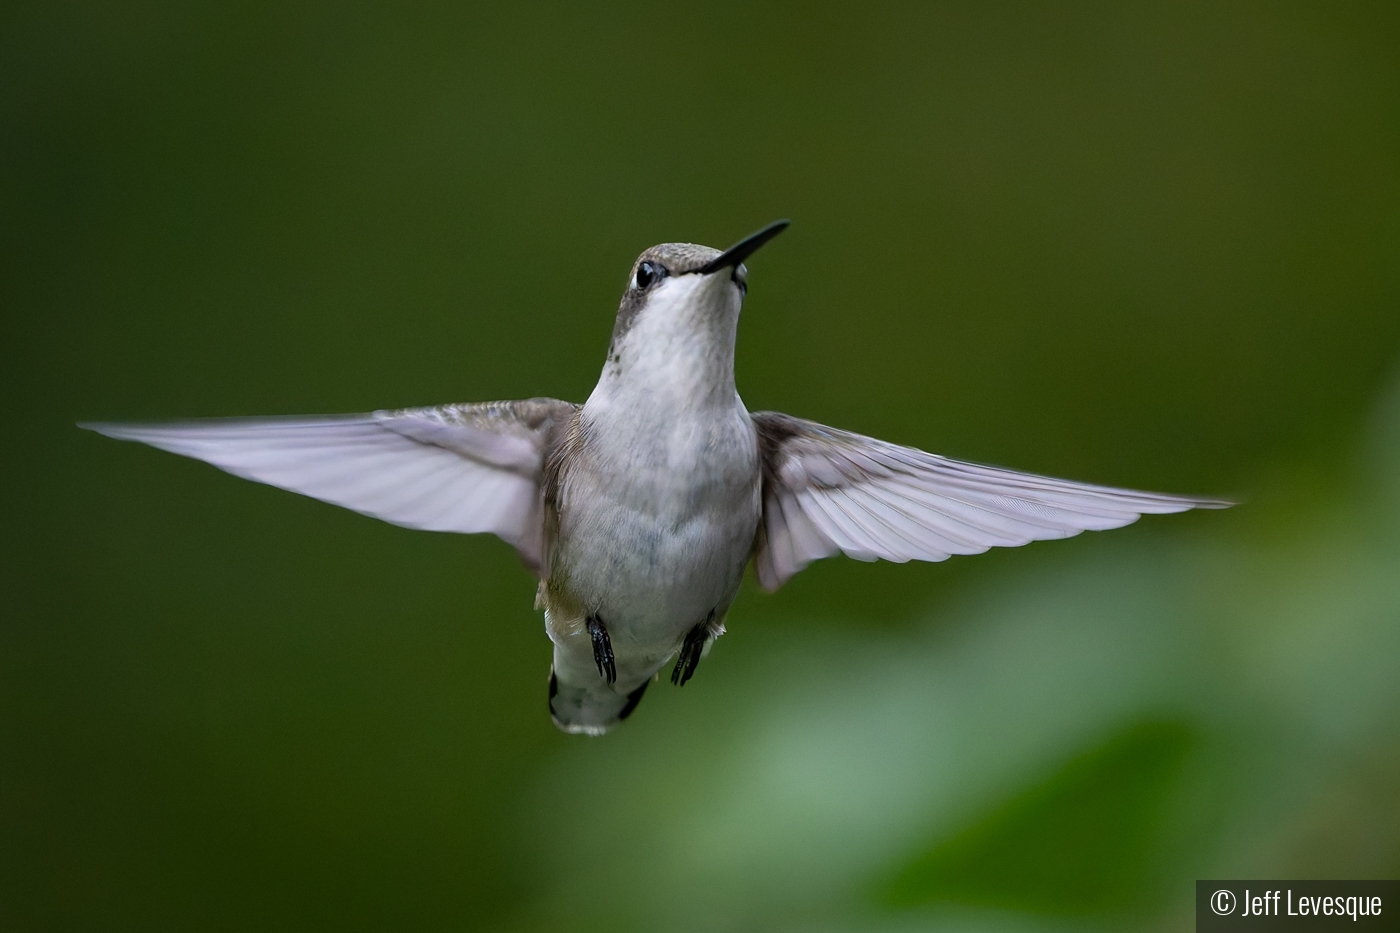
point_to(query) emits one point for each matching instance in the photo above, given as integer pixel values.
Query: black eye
(649, 273)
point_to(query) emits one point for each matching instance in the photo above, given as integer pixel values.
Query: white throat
(678, 351)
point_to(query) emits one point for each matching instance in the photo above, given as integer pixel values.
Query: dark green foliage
(1079, 842)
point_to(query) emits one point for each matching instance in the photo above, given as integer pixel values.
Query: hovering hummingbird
(639, 509)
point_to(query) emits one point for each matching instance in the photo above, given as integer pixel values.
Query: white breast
(654, 532)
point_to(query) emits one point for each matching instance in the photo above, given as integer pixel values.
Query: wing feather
(829, 491)
(457, 468)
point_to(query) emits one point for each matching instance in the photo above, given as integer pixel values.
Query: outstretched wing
(826, 491)
(462, 468)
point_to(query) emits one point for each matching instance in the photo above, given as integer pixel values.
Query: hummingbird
(640, 509)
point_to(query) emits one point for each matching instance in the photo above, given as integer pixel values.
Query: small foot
(602, 649)
(689, 656)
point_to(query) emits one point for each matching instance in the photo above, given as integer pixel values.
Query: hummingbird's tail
(590, 710)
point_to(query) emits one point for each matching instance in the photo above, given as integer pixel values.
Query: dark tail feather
(590, 710)
(633, 699)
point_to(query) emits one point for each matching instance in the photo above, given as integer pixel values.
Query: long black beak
(744, 248)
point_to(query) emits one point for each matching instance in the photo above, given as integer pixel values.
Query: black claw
(688, 659)
(602, 650)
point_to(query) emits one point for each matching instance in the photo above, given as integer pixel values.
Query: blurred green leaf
(1077, 843)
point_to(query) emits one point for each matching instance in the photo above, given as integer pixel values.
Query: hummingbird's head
(683, 299)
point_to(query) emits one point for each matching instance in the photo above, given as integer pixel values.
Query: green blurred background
(1141, 244)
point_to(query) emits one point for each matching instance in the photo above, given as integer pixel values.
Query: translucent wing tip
(1197, 502)
(118, 430)
(101, 427)
(123, 432)
(1214, 503)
